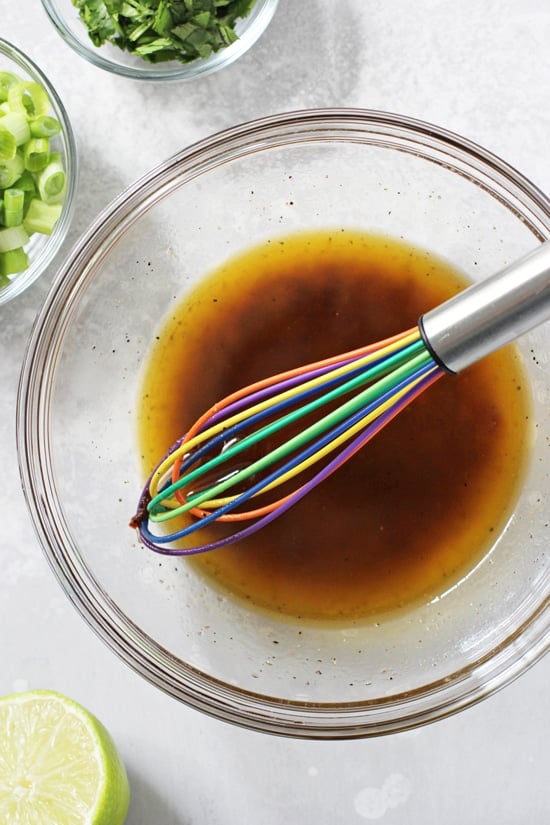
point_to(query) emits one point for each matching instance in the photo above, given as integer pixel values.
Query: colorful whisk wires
(236, 454)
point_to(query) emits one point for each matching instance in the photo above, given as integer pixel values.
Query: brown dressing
(417, 508)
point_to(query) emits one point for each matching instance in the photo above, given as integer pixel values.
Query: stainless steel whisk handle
(490, 313)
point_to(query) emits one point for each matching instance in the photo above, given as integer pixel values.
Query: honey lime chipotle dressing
(414, 510)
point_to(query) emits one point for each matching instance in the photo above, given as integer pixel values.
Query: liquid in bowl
(411, 514)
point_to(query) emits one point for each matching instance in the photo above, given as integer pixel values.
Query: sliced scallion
(11, 170)
(8, 146)
(51, 180)
(27, 185)
(36, 154)
(41, 217)
(12, 237)
(14, 206)
(11, 263)
(18, 125)
(26, 181)
(28, 98)
(7, 79)
(44, 126)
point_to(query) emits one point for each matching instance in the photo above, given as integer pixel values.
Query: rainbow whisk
(255, 454)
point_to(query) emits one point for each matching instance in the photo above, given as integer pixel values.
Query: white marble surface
(479, 68)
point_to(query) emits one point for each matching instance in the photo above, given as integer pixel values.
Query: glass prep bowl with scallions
(38, 169)
(155, 44)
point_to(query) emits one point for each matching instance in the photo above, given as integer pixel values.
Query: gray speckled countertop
(481, 69)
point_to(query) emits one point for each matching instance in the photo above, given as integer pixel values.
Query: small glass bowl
(78, 450)
(64, 16)
(42, 248)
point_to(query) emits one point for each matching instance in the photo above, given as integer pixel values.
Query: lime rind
(58, 759)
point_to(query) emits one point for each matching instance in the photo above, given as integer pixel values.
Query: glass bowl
(42, 248)
(77, 426)
(64, 16)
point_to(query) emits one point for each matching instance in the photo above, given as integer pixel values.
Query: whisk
(229, 467)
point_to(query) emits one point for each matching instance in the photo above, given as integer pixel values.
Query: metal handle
(490, 313)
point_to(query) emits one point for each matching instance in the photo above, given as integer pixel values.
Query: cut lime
(58, 764)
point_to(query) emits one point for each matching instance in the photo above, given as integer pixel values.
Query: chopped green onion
(15, 125)
(26, 182)
(27, 185)
(14, 205)
(8, 146)
(36, 154)
(11, 263)
(11, 170)
(7, 79)
(51, 181)
(44, 126)
(28, 98)
(41, 217)
(12, 237)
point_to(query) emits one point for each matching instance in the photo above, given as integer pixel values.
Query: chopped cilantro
(160, 30)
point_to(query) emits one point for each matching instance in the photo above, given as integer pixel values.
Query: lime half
(58, 764)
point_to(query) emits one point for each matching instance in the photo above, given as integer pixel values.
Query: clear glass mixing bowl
(77, 441)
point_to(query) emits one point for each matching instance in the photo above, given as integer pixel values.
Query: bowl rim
(50, 246)
(253, 26)
(524, 644)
